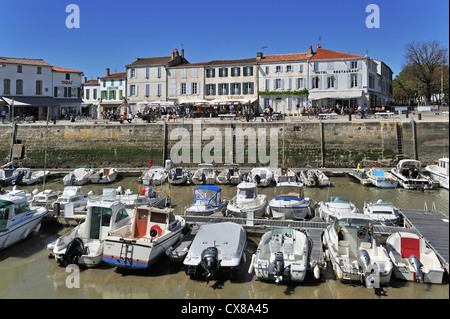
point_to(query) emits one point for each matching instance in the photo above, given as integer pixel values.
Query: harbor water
(28, 272)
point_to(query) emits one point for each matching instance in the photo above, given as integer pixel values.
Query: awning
(68, 102)
(382, 96)
(335, 95)
(31, 101)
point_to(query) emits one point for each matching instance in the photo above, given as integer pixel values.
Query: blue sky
(113, 33)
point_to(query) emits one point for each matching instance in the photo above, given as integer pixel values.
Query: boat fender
(418, 267)
(316, 272)
(252, 264)
(155, 231)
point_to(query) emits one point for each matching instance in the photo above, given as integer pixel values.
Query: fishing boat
(104, 176)
(179, 176)
(46, 198)
(216, 247)
(71, 195)
(204, 175)
(381, 212)
(83, 245)
(29, 177)
(247, 202)
(409, 174)
(262, 176)
(381, 178)
(18, 219)
(284, 174)
(314, 178)
(289, 202)
(230, 175)
(355, 253)
(335, 205)
(282, 255)
(439, 172)
(154, 176)
(413, 259)
(141, 244)
(78, 177)
(207, 200)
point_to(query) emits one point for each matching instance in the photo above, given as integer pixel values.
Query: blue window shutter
(251, 88)
(239, 88)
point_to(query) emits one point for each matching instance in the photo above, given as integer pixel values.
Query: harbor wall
(299, 144)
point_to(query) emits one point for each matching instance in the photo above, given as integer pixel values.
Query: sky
(113, 33)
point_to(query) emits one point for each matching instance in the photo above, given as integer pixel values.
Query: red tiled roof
(24, 61)
(90, 82)
(322, 54)
(151, 61)
(58, 69)
(116, 76)
(284, 57)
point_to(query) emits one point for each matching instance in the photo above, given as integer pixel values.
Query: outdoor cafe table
(385, 115)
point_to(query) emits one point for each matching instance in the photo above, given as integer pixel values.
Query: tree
(425, 60)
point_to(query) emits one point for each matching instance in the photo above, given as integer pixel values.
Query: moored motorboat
(439, 172)
(154, 176)
(29, 177)
(46, 198)
(289, 202)
(216, 247)
(78, 177)
(83, 245)
(334, 206)
(282, 255)
(409, 174)
(262, 176)
(141, 244)
(204, 175)
(314, 178)
(8, 176)
(104, 176)
(230, 175)
(382, 212)
(71, 195)
(413, 259)
(284, 174)
(207, 200)
(381, 178)
(18, 219)
(355, 252)
(179, 176)
(247, 202)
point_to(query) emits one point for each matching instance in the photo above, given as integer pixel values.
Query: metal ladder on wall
(400, 140)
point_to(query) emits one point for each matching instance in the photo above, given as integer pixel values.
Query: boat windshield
(246, 193)
(63, 200)
(291, 191)
(4, 213)
(206, 196)
(352, 222)
(339, 199)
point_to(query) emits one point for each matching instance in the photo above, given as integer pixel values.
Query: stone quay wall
(300, 144)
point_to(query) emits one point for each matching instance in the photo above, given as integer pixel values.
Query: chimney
(182, 53)
(259, 55)
(310, 51)
(107, 71)
(318, 46)
(85, 79)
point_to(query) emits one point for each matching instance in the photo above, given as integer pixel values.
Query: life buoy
(157, 229)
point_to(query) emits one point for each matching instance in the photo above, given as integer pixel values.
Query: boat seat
(343, 248)
(365, 245)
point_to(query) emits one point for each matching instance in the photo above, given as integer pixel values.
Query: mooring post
(164, 142)
(414, 134)
(322, 143)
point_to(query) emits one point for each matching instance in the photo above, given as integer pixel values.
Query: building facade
(113, 93)
(91, 98)
(67, 91)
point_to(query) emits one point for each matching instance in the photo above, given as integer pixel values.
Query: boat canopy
(208, 194)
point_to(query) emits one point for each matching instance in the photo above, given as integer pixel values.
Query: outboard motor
(257, 179)
(363, 259)
(279, 267)
(210, 262)
(366, 268)
(73, 252)
(203, 178)
(418, 267)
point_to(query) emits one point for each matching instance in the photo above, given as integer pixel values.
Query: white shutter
(289, 84)
(325, 81)
(349, 81)
(336, 82)
(128, 90)
(359, 64)
(359, 80)
(136, 73)
(282, 84)
(266, 84)
(147, 89)
(188, 88)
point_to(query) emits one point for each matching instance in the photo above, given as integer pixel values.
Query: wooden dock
(433, 226)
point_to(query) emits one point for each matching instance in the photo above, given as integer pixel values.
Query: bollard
(349, 116)
(420, 116)
(54, 120)
(407, 113)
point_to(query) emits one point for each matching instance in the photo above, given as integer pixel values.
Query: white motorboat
(314, 178)
(78, 177)
(216, 247)
(207, 200)
(8, 176)
(18, 219)
(413, 259)
(247, 202)
(29, 177)
(154, 176)
(289, 202)
(262, 176)
(334, 206)
(381, 212)
(46, 198)
(204, 175)
(146, 197)
(284, 174)
(381, 178)
(71, 195)
(142, 243)
(355, 253)
(83, 245)
(179, 176)
(230, 175)
(104, 176)
(282, 255)
(409, 174)
(439, 172)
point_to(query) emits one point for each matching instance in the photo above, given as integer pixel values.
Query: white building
(67, 90)
(91, 97)
(29, 83)
(113, 92)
